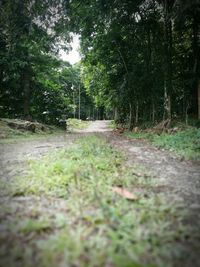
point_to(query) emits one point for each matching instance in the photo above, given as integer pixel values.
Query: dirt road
(179, 180)
(14, 155)
(182, 177)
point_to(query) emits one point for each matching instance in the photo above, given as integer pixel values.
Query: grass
(185, 143)
(74, 218)
(112, 124)
(9, 135)
(15, 137)
(73, 124)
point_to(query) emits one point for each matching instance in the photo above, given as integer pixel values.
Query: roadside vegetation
(185, 143)
(182, 139)
(74, 216)
(12, 130)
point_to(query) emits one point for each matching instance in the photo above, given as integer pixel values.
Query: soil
(14, 155)
(179, 179)
(181, 176)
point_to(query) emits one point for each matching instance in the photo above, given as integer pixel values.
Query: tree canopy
(140, 59)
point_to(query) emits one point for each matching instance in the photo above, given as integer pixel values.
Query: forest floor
(177, 179)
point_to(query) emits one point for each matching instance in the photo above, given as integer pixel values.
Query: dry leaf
(124, 193)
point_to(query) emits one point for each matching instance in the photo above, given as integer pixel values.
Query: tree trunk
(153, 111)
(186, 113)
(167, 60)
(136, 113)
(196, 68)
(131, 117)
(116, 114)
(26, 74)
(167, 104)
(26, 87)
(79, 102)
(199, 99)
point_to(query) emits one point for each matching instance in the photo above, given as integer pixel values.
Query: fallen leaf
(124, 193)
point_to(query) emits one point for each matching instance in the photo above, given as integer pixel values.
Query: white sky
(73, 56)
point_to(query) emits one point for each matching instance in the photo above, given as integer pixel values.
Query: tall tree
(29, 29)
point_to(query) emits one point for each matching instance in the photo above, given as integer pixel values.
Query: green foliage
(112, 124)
(29, 37)
(34, 83)
(33, 225)
(22, 132)
(135, 63)
(185, 143)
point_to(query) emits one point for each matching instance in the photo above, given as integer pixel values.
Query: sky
(73, 56)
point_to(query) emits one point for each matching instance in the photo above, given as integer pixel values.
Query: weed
(112, 124)
(185, 143)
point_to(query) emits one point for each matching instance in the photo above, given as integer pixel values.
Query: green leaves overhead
(134, 55)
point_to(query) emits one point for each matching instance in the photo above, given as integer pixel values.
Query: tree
(134, 58)
(29, 31)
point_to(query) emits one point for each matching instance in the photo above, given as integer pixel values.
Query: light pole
(74, 107)
(79, 102)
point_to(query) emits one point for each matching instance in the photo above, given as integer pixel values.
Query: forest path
(14, 155)
(178, 180)
(97, 127)
(182, 177)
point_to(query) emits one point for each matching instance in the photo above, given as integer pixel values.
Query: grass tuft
(185, 143)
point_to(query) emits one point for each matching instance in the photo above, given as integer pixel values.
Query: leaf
(124, 193)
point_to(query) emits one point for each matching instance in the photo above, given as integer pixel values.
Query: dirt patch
(182, 177)
(96, 127)
(13, 156)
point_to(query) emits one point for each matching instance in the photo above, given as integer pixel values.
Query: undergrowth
(10, 135)
(90, 226)
(185, 143)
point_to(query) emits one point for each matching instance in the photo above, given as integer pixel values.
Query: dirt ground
(180, 176)
(14, 155)
(180, 179)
